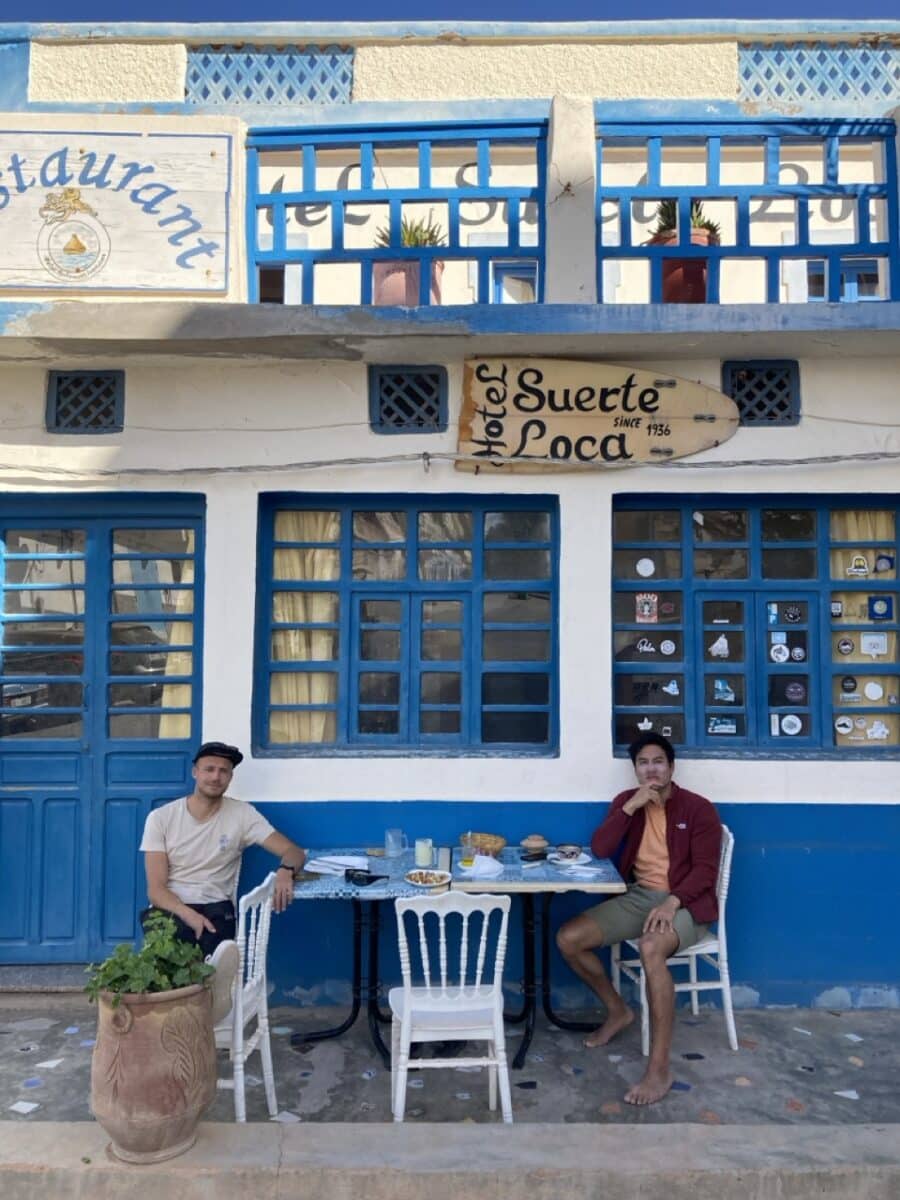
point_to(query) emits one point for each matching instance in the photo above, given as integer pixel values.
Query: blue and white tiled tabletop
(597, 875)
(335, 887)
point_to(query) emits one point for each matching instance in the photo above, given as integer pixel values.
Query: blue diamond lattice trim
(765, 393)
(270, 75)
(819, 72)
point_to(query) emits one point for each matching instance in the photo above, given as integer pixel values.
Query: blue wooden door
(100, 637)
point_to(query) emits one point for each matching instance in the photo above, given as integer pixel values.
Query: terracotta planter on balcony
(153, 1072)
(397, 283)
(684, 279)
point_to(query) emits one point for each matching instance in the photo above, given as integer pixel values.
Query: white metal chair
(712, 950)
(463, 1005)
(250, 998)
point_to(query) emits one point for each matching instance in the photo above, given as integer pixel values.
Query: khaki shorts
(622, 917)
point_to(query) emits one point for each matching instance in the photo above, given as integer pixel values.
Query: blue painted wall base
(810, 914)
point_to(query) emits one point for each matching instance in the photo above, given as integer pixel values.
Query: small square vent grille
(766, 393)
(85, 401)
(407, 399)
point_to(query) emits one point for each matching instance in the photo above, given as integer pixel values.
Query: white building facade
(293, 455)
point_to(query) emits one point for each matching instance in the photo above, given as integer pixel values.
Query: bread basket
(487, 843)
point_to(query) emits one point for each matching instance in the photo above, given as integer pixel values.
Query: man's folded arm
(609, 836)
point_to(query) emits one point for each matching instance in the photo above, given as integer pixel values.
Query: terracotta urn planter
(684, 279)
(397, 283)
(153, 1072)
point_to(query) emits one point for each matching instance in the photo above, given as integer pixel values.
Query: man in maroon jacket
(667, 842)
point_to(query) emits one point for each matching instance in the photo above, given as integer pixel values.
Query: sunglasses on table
(360, 878)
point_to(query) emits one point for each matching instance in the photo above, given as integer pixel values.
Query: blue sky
(442, 10)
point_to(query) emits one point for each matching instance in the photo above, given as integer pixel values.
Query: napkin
(337, 864)
(484, 867)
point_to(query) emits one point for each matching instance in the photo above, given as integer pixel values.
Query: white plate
(435, 878)
(557, 861)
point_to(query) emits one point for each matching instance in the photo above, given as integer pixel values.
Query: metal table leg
(299, 1038)
(529, 985)
(373, 1012)
(560, 1022)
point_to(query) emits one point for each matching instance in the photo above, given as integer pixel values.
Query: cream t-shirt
(204, 856)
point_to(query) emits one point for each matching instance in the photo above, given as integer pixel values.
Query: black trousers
(220, 913)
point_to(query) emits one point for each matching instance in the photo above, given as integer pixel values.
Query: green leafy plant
(667, 220)
(161, 964)
(413, 233)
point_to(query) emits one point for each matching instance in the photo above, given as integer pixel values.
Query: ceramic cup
(568, 851)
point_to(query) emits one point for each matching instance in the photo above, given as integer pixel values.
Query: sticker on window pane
(668, 608)
(517, 564)
(379, 687)
(514, 645)
(516, 607)
(788, 724)
(646, 608)
(378, 564)
(657, 691)
(517, 527)
(863, 608)
(379, 645)
(635, 647)
(629, 726)
(786, 690)
(445, 566)
(863, 563)
(721, 725)
(720, 525)
(869, 731)
(723, 646)
(873, 691)
(528, 727)
(441, 645)
(724, 689)
(377, 721)
(721, 564)
(723, 612)
(639, 565)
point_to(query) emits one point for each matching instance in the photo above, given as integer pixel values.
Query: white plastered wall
(189, 415)
(608, 70)
(106, 72)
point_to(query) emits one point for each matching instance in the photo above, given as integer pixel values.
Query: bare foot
(651, 1088)
(614, 1023)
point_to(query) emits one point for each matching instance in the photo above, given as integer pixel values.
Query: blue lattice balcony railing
(396, 215)
(792, 212)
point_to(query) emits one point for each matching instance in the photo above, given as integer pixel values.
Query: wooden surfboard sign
(557, 414)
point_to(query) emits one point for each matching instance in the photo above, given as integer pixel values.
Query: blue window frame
(409, 399)
(86, 402)
(406, 625)
(393, 214)
(764, 626)
(782, 201)
(766, 391)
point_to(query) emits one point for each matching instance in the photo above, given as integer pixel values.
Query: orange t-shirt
(651, 865)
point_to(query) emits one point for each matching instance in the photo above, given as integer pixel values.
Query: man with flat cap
(192, 855)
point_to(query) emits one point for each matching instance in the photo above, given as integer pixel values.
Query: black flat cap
(220, 750)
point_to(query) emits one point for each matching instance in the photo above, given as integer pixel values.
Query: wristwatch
(286, 867)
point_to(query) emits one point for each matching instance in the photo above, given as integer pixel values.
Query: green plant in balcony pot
(153, 1072)
(396, 281)
(684, 279)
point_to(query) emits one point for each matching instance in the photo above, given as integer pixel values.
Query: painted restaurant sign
(524, 414)
(136, 210)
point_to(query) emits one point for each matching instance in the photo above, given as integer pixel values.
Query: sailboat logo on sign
(72, 243)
